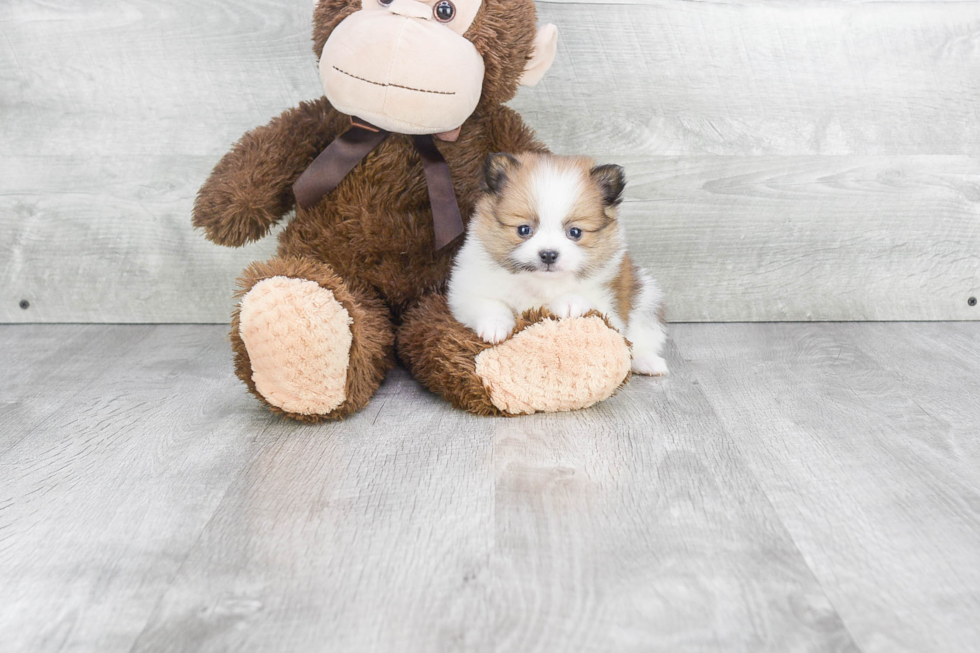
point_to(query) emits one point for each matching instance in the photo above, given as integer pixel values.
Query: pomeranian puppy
(546, 234)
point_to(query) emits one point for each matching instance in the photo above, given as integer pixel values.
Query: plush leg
(307, 343)
(548, 365)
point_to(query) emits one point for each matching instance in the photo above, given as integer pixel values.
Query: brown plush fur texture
(503, 33)
(385, 224)
(371, 354)
(370, 240)
(429, 327)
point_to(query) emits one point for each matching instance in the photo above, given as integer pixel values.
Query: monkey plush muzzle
(399, 67)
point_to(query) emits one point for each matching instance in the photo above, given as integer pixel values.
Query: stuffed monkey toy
(383, 171)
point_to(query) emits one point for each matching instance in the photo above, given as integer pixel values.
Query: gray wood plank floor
(792, 487)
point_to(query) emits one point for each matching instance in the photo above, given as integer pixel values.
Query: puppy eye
(524, 231)
(385, 3)
(574, 233)
(444, 12)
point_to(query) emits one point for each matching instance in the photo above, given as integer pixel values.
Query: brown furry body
(369, 242)
(377, 225)
(546, 233)
(380, 232)
(373, 236)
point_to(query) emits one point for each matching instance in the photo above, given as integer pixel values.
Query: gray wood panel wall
(788, 160)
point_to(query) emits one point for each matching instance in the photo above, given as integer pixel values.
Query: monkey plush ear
(495, 171)
(612, 181)
(545, 47)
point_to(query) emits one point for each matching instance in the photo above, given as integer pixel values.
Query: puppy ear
(495, 171)
(611, 179)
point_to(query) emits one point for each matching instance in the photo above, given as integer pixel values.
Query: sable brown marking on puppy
(598, 214)
(625, 286)
(512, 197)
(369, 242)
(546, 234)
(612, 181)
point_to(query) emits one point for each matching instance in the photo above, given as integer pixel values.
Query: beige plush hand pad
(298, 338)
(555, 365)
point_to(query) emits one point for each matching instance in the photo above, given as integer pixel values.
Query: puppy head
(550, 214)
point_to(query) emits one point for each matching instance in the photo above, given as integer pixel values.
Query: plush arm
(251, 187)
(508, 133)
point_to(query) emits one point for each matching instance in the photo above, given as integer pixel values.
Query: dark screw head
(972, 301)
(24, 304)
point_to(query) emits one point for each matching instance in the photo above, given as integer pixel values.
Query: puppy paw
(649, 365)
(570, 306)
(496, 328)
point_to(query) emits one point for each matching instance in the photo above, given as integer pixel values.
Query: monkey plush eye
(574, 233)
(445, 11)
(524, 231)
(385, 3)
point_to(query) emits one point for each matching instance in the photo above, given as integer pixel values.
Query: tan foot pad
(298, 339)
(555, 365)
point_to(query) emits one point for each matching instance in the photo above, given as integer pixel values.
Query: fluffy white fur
(485, 296)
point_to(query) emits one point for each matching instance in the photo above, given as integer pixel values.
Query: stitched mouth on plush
(418, 76)
(407, 88)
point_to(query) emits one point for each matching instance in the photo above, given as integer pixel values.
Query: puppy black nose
(549, 256)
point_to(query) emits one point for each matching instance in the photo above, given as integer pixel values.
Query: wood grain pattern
(648, 3)
(369, 535)
(633, 527)
(761, 78)
(42, 368)
(113, 113)
(411, 526)
(864, 438)
(789, 488)
(115, 450)
(809, 238)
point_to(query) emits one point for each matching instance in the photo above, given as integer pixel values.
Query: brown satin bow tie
(342, 155)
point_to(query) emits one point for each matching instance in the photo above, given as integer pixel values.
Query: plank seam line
(762, 488)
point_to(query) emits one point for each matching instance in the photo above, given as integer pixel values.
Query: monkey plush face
(422, 66)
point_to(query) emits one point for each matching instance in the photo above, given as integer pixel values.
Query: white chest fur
(477, 279)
